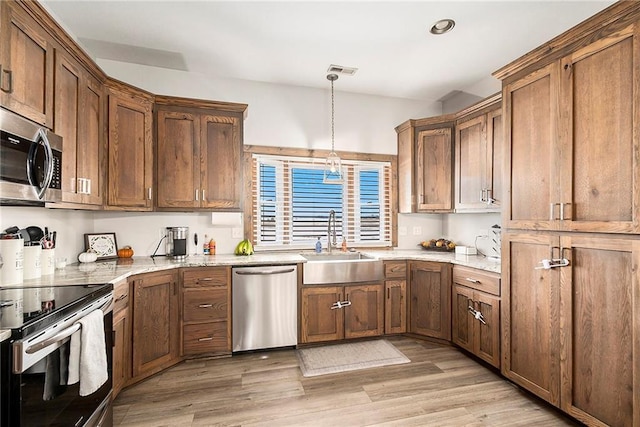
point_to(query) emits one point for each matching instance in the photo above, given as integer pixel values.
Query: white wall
(463, 228)
(70, 226)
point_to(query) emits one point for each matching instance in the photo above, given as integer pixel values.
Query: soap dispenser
(318, 246)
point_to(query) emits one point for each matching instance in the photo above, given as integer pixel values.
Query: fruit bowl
(442, 245)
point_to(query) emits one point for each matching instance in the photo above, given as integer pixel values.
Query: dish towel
(87, 356)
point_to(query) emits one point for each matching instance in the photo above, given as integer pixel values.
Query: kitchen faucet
(331, 244)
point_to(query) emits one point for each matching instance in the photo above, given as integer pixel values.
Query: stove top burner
(25, 310)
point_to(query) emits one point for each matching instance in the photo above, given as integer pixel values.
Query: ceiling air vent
(339, 69)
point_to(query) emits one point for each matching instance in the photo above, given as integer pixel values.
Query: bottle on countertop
(318, 246)
(205, 245)
(344, 245)
(212, 247)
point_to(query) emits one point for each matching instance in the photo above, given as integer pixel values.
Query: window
(291, 204)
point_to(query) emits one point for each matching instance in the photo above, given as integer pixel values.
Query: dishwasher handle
(263, 272)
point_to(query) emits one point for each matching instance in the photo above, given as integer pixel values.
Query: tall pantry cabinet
(571, 332)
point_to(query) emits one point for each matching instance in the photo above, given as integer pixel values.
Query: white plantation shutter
(291, 204)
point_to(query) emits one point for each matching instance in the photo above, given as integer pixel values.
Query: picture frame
(103, 244)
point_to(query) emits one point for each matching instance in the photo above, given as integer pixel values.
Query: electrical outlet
(483, 232)
(402, 231)
(417, 230)
(236, 233)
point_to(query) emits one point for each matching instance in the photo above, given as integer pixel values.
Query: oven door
(36, 395)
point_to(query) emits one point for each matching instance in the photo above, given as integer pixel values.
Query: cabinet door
(461, 319)
(434, 170)
(319, 321)
(471, 164)
(155, 323)
(532, 183)
(66, 121)
(406, 167)
(178, 164)
(121, 350)
(430, 299)
(600, 349)
(26, 72)
(365, 316)
(495, 162)
(530, 315)
(221, 162)
(600, 171)
(91, 147)
(130, 155)
(487, 331)
(395, 311)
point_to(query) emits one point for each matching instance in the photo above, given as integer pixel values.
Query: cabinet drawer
(204, 277)
(120, 296)
(205, 305)
(206, 338)
(395, 269)
(477, 279)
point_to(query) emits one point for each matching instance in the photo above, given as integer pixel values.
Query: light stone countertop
(4, 334)
(117, 270)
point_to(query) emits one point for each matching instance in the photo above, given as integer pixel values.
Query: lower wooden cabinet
(121, 337)
(475, 315)
(430, 299)
(156, 327)
(570, 332)
(206, 302)
(331, 313)
(395, 303)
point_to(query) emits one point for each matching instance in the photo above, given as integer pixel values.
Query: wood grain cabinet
(26, 65)
(425, 165)
(475, 313)
(570, 158)
(156, 327)
(478, 157)
(206, 303)
(360, 313)
(79, 116)
(122, 337)
(130, 145)
(395, 303)
(430, 299)
(567, 331)
(199, 155)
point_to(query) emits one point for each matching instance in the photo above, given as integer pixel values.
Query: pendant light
(333, 165)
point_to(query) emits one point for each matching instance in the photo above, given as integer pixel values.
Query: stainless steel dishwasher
(264, 307)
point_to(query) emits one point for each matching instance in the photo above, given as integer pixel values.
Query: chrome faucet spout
(331, 243)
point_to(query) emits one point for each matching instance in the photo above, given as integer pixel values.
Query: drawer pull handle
(205, 305)
(205, 339)
(121, 297)
(469, 279)
(205, 279)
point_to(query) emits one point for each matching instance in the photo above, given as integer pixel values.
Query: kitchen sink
(340, 267)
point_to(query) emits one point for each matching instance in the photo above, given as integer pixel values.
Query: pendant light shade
(333, 165)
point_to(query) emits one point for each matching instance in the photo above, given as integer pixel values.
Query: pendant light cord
(332, 120)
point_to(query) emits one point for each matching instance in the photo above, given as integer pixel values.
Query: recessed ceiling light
(442, 26)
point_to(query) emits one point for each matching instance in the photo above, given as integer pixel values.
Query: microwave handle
(41, 139)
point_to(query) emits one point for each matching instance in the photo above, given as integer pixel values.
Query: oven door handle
(62, 334)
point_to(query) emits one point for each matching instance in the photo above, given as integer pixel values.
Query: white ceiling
(294, 42)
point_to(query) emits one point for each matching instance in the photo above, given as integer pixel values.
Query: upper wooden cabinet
(572, 160)
(199, 154)
(478, 157)
(425, 165)
(26, 65)
(79, 120)
(130, 144)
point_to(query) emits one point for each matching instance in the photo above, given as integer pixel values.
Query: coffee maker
(176, 246)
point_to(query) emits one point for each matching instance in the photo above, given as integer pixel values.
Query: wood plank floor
(440, 387)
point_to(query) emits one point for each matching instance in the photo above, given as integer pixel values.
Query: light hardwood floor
(440, 387)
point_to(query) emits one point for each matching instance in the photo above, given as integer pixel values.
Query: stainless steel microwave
(30, 162)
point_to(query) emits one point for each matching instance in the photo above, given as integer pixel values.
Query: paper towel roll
(12, 252)
(32, 269)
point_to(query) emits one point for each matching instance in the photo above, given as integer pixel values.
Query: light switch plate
(417, 230)
(236, 233)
